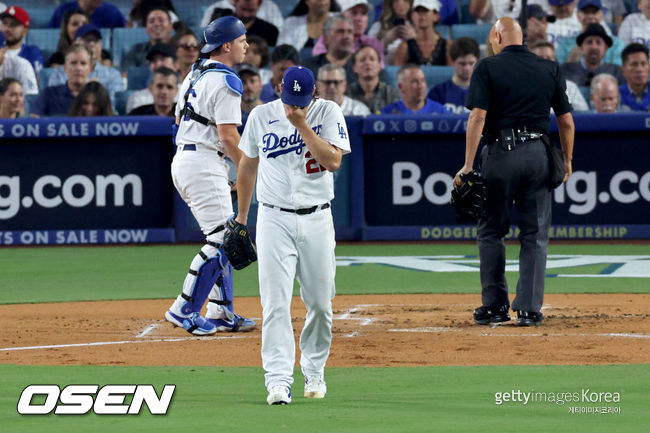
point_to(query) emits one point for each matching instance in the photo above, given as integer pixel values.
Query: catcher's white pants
(295, 246)
(201, 178)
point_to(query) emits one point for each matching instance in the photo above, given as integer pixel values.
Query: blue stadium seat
(586, 92)
(305, 53)
(444, 30)
(286, 6)
(433, 74)
(137, 77)
(124, 39)
(45, 39)
(120, 101)
(29, 102)
(191, 14)
(463, 12)
(479, 32)
(39, 16)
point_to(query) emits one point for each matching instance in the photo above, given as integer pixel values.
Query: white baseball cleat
(279, 395)
(315, 386)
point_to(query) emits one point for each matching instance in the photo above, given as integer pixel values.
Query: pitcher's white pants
(302, 247)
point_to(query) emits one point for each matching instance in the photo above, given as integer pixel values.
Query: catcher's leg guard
(204, 272)
(221, 296)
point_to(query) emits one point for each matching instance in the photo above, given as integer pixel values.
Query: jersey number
(312, 166)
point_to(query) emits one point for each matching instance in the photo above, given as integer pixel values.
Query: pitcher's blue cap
(298, 86)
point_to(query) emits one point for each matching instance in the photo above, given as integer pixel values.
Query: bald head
(506, 31)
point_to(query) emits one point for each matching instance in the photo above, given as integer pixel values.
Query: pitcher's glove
(468, 198)
(237, 245)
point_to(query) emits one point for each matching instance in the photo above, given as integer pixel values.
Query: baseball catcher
(467, 199)
(237, 245)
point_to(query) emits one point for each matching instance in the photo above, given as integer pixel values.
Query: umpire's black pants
(518, 176)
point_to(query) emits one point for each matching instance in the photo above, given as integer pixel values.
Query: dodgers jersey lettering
(288, 176)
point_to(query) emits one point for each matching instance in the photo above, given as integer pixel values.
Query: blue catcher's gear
(220, 31)
(205, 278)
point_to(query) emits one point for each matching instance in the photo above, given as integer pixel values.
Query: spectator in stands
(428, 47)
(536, 23)
(187, 51)
(546, 50)
(487, 11)
(413, 85)
(91, 37)
(160, 56)
(635, 92)
(305, 24)
(393, 26)
(12, 101)
(72, 20)
(258, 55)
(636, 27)
(18, 68)
(367, 88)
(92, 101)
(604, 93)
(331, 85)
(464, 53)
(103, 15)
(246, 11)
(593, 43)
(140, 8)
(159, 28)
(589, 12)
(282, 58)
(339, 40)
(15, 25)
(614, 11)
(163, 87)
(566, 24)
(269, 12)
(56, 100)
(358, 12)
(250, 77)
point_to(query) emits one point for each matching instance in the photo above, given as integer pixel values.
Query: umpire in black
(510, 97)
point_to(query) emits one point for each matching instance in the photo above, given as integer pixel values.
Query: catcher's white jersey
(212, 99)
(288, 176)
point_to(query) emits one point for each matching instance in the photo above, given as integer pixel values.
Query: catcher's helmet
(220, 31)
(467, 199)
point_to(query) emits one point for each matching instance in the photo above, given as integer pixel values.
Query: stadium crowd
(97, 58)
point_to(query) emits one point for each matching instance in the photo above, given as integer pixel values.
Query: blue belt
(304, 211)
(192, 147)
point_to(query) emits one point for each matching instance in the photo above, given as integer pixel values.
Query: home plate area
(368, 330)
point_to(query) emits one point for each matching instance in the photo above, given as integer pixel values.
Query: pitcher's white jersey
(212, 99)
(288, 176)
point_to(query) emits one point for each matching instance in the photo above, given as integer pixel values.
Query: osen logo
(81, 399)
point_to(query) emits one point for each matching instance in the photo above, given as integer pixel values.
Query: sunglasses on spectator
(188, 47)
(331, 82)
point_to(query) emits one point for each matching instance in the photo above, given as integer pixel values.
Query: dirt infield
(375, 330)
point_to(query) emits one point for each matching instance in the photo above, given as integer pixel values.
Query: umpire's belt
(192, 147)
(304, 211)
(510, 138)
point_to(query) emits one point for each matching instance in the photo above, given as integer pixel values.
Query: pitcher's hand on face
(296, 115)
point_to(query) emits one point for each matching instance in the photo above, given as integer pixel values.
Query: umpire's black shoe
(496, 314)
(529, 318)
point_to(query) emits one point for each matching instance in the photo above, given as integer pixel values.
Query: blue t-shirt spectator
(636, 104)
(33, 55)
(451, 96)
(399, 107)
(105, 16)
(53, 101)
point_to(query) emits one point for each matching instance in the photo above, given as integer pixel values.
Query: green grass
(359, 400)
(51, 274)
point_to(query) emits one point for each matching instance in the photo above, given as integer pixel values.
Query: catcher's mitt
(237, 245)
(467, 199)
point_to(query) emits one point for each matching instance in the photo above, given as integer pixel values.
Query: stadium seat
(305, 53)
(29, 102)
(479, 32)
(45, 39)
(44, 77)
(444, 30)
(463, 12)
(39, 16)
(124, 39)
(191, 14)
(586, 92)
(137, 77)
(286, 6)
(120, 101)
(433, 74)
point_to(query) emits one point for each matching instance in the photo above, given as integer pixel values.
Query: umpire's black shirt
(517, 88)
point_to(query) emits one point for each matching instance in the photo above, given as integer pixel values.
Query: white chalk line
(108, 343)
